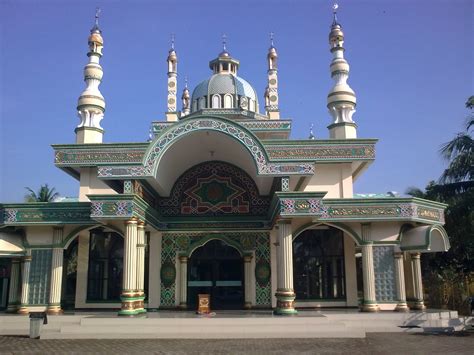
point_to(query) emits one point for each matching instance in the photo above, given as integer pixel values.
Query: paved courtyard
(375, 343)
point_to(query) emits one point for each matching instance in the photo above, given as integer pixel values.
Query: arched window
(318, 265)
(252, 105)
(216, 101)
(228, 101)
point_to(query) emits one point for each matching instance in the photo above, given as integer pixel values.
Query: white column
(285, 293)
(54, 306)
(418, 283)
(140, 278)
(247, 280)
(129, 292)
(14, 283)
(25, 277)
(370, 302)
(400, 283)
(183, 282)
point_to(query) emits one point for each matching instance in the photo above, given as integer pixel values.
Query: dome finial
(271, 38)
(311, 135)
(334, 11)
(224, 42)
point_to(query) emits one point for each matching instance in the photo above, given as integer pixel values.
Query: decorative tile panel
(40, 274)
(384, 269)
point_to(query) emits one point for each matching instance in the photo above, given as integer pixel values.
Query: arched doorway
(318, 265)
(216, 269)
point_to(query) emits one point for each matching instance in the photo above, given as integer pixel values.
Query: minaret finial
(334, 11)
(185, 81)
(271, 38)
(172, 40)
(224, 42)
(97, 13)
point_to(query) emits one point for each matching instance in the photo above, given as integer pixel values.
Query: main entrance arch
(216, 268)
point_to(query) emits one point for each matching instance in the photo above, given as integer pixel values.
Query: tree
(44, 194)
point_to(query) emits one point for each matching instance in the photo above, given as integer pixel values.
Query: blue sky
(411, 68)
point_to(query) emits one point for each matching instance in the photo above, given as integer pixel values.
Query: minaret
(91, 103)
(185, 98)
(172, 112)
(271, 92)
(341, 98)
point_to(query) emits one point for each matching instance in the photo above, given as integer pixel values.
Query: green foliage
(44, 194)
(454, 269)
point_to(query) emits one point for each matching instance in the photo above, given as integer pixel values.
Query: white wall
(336, 179)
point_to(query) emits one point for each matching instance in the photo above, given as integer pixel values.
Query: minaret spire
(341, 98)
(172, 112)
(271, 92)
(91, 103)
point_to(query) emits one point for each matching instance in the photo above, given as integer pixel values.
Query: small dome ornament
(95, 36)
(311, 135)
(172, 57)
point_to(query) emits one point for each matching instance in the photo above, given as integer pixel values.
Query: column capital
(415, 255)
(58, 228)
(248, 258)
(27, 258)
(16, 261)
(132, 220)
(398, 255)
(141, 224)
(183, 259)
(367, 243)
(283, 221)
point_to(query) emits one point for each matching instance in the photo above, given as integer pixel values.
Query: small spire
(172, 41)
(96, 23)
(224, 42)
(271, 39)
(311, 135)
(334, 11)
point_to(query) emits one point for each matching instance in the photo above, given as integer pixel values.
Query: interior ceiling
(202, 146)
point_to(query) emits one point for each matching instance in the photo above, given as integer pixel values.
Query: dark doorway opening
(5, 270)
(216, 269)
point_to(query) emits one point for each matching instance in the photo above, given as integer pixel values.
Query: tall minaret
(185, 98)
(91, 103)
(172, 111)
(271, 92)
(341, 98)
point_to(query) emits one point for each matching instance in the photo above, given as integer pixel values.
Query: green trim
(205, 239)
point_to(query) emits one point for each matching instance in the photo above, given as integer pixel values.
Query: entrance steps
(233, 325)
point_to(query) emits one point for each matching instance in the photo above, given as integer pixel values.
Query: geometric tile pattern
(263, 291)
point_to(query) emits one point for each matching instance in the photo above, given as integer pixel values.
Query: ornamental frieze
(75, 157)
(321, 152)
(27, 214)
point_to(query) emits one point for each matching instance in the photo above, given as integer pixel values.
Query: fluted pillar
(25, 279)
(418, 283)
(369, 303)
(54, 305)
(285, 293)
(400, 283)
(247, 279)
(141, 244)
(13, 301)
(129, 294)
(183, 278)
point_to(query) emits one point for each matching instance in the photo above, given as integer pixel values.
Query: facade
(219, 201)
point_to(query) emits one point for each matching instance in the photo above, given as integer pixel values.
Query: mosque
(220, 201)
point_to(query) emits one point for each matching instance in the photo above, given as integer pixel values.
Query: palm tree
(44, 194)
(459, 175)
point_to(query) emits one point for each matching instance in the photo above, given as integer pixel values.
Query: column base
(418, 306)
(54, 310)
(183, 305)
(140, 303)
(23, 310)
(129, 303)
(248, 305)
(369, 307)
(402, 307)
(285, 303)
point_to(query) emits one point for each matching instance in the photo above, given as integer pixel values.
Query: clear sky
(411, 68)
